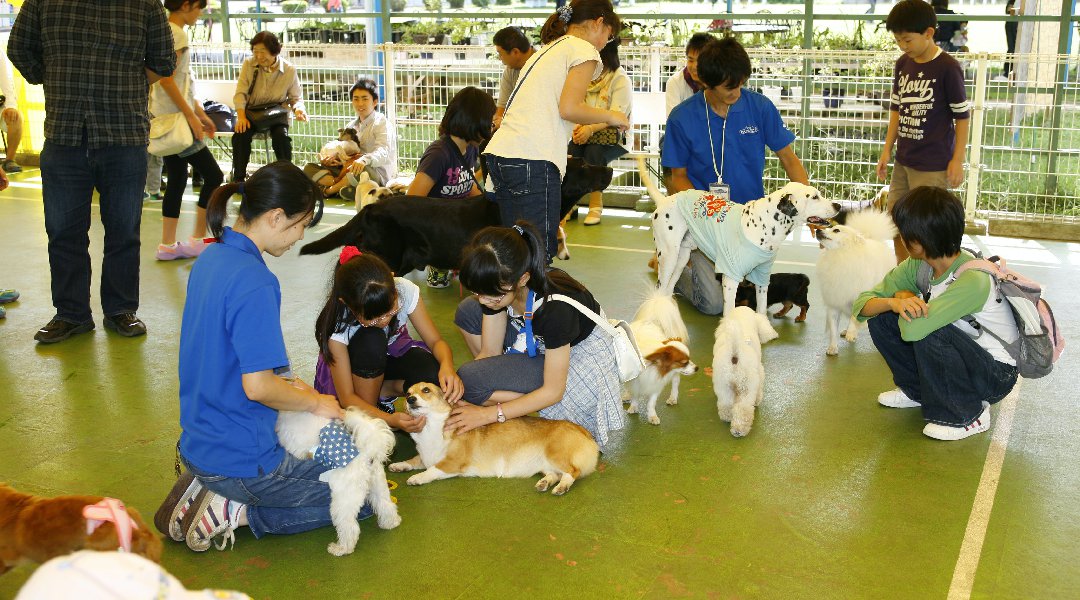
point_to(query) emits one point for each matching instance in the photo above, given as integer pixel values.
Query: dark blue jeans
(69, 176)
(291, 499)
(530, 190)
(947, 371)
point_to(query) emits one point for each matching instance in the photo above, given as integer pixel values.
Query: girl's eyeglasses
(382, 321)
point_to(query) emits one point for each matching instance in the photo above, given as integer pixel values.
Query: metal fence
(1025, 134)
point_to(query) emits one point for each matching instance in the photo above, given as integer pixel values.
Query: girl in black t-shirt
(448, 167)
(572, 375)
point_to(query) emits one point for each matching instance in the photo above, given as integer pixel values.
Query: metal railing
(1024, 150)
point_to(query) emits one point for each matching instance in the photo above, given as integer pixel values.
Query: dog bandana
(336, 448)
(112, 511)
(716, 227)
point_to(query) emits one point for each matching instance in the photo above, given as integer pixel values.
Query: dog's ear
(766, 333)
(786, 206)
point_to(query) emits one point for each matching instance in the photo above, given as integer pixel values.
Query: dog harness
(336, 448)
(110, 510)
(716, 227)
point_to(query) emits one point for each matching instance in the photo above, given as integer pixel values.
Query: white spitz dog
(738, 373)
(854, 258)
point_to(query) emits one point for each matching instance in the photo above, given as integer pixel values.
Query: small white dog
(738, 375)
(661, 337)
(305, 436)
(345, 147)
(854, 258)
(521, 447)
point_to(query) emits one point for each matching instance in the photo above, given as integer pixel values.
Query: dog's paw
(560, 489)
(389, 521)
(398, 467)
(672, 400)
(632, 410)
(655, 420)
(546, 481)
(850, 335)
(739, 431)
(832, 350)
(338, 549)
(800, 319)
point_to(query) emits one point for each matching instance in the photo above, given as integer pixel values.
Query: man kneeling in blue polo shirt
(716, 140)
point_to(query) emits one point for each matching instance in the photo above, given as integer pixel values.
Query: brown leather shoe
(58, 330)
(125, 324)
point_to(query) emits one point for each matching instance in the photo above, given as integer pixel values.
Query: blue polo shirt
(753, 124)
(231, 326)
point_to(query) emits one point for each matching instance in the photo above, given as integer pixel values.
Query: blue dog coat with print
(336, 448)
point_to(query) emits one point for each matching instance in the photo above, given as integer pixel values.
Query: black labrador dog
(411, 232)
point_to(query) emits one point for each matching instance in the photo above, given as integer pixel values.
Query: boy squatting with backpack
(939, 362)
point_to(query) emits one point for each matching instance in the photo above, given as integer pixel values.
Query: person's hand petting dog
(465, 417)
(451, 385)
(407, 422)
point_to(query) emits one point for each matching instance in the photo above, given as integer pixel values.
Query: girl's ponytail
(218, 208)
(536, 264)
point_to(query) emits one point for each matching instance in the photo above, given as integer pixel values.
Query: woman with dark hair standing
(595, 142)
(448, 167)
(527, 154)
(265, 78)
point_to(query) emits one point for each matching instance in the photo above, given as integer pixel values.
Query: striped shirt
(92, 56)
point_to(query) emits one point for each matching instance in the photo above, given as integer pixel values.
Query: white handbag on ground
(170, 134)
(627, 354)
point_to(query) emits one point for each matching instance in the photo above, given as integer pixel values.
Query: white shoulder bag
(627, 354)
(170, 134)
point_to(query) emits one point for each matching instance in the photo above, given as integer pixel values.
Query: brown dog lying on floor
(521, 447)
(36, 529)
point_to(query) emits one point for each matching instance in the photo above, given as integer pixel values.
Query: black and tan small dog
(788, 289)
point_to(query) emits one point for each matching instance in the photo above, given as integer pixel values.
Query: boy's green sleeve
(902, 277)
(965, 296)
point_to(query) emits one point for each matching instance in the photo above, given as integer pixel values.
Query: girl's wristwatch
(501, 418)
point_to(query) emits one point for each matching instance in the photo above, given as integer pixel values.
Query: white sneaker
(896, 399)
(952, 433)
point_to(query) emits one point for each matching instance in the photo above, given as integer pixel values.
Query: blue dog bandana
(336, 448)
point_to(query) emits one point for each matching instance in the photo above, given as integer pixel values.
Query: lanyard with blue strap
(530, 341)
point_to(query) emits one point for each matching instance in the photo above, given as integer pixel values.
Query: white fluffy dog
(361, 480)
(661, 337)
(738, 375)
(854, 258)
(563, 451)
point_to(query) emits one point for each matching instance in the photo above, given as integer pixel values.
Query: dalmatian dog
(742, 239)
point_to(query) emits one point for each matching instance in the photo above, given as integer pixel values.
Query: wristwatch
(501, 418)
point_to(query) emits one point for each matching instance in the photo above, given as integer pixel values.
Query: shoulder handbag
(627, 354)
(608, 136)
(267, 115)
(170, 134)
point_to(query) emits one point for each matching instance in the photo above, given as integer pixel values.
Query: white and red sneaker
(951, 433)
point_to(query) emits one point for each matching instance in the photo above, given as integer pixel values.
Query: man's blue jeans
(947, 371)
(290, 499)
(69, 176)
(530, 190)
(698, 283)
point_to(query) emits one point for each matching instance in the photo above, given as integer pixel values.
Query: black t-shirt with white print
(556, 324)
(452, 172)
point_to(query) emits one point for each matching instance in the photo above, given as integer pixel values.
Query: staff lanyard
(723, 138)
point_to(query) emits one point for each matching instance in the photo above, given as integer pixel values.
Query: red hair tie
(347, 253)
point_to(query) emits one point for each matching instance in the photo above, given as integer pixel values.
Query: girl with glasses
(367, 357)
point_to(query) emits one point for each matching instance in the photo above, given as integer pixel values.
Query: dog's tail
(662, 310)
(647, 181)
(335, 239)
(873, 224)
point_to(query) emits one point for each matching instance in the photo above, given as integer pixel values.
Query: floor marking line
(967, 562)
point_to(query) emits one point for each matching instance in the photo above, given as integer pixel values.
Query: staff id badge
(721, 189)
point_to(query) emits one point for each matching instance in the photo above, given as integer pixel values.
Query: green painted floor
(831, 495)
